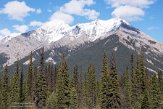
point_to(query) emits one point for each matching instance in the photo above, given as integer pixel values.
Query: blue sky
(24, 15)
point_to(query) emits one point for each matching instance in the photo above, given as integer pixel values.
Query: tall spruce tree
(75, 78)
(50, 77)
(155, 93)
(144, 82)
(1, 91)
(41, 85)
(75, 87)
(145, 101)
(105, 83)
(114, 101)
(143, 76)
(127, 88)
(15, 84)
(160, 80)
(73, 98)
(91, 87)
(21, 86)
(5, 88)
(63, 85)
(136, 86)
(29, 80)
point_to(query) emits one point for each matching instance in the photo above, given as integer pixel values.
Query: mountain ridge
(54, 35)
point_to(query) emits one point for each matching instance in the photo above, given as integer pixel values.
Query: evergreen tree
(143, 76)
(160, 80)
(114, 101)
(91, 87)
(73, 98)
(136, 83)
(75, 79)
(0, 92)
(98, 86)
(41, 91)
(41, 85)
(21, 86)
(52, 101)
(145, 102)
(81, 90)
(29, 80)
(155, 93)
(63, 85)
(5, 88)
(34, 79)
(15, 85)
(127, 88)
(50, 77)
(105, 83)
(75, 87)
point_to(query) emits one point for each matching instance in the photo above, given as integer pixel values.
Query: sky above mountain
(24, 15)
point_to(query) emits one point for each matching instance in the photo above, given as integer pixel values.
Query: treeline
(49, 86)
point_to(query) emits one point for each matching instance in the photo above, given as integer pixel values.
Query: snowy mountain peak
(54, 25)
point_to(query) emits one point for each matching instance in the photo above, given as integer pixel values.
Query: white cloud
(62, 16)
(6, 32)
(129, 9)
(91, 14)
(135, 3)
(38, 11)
(35, 23)
(75, 7)
(128, 13)
(21, 28)
(78, 7)
(17, 10)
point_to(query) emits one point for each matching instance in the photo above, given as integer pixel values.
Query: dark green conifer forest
(49, 86)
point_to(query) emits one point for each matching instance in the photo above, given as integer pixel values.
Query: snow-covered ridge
(59, 33)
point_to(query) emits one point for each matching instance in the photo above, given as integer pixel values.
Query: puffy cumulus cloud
(62, 16)
(17, 10)
(129, 9)
(21, 28)
(35, 23)
(76, 7)
(128, 13)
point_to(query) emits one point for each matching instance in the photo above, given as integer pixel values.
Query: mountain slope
(84, 43)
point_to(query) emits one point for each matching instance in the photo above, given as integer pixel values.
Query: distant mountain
(83, 44)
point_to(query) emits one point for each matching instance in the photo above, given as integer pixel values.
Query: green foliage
(52, 101)
(105, 83)
(145, 102)
(155, 93)
(114, 100)
(41, 85)
(41, 91)
(15, 85)
(50, 87)
(21, 87)
(73, 98)
(63, 85)
(91, 87)
(29, 80)
(127, 88)
(5, 88)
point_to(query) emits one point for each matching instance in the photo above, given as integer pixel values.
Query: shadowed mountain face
(85, 44)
